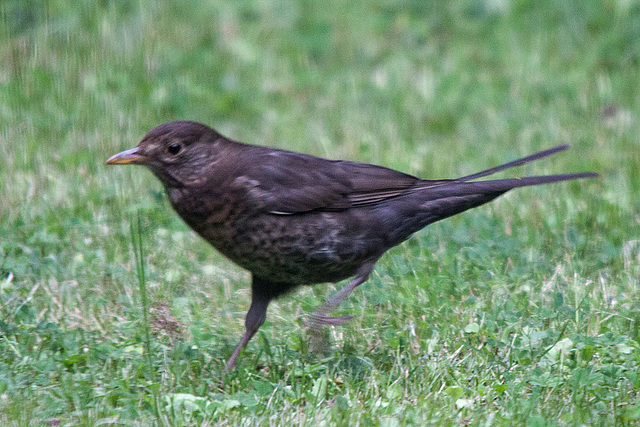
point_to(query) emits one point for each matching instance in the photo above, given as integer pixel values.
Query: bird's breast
(304, 248)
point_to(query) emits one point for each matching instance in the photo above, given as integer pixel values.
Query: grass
(524, 311)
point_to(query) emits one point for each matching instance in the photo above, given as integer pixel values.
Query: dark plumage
(292, 219)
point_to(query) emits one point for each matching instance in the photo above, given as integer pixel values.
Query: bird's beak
(127, 157)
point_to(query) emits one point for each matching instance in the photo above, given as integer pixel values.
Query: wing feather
(289, 183)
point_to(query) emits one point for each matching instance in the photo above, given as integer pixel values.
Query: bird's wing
(287, 183)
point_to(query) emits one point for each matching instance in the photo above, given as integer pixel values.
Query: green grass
(523, 311)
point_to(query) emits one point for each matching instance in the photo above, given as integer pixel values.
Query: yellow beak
(127, 157)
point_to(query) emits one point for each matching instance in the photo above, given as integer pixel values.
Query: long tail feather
(509, 183)
(495, 187)
(518, 162)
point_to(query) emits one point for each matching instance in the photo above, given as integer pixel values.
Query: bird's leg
(320, 316)
(255, 318)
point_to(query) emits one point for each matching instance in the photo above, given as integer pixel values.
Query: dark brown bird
(292, 219)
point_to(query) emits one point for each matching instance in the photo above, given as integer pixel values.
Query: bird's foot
(318, 320)
(319, 336)
(335, 321)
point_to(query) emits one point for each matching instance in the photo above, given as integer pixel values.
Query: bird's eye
(174, 149)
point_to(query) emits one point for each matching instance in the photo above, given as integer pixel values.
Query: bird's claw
(335, 320)
(318, 320)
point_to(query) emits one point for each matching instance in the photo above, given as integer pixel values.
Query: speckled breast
(298, 249)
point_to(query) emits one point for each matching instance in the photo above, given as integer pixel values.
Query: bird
(293, 219)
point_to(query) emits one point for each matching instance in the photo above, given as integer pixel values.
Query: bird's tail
(442, 199)
(460, 188)
(463, 186)
(530, 158)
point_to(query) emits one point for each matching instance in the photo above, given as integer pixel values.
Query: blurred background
(435, 89)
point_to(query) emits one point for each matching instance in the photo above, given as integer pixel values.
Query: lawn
(524, 311)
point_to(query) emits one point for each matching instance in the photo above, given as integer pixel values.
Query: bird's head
(179, 153)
